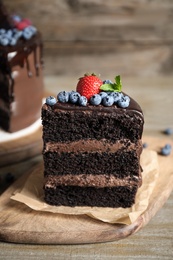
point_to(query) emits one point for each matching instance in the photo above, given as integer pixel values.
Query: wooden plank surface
(116, 33)
(20, 224)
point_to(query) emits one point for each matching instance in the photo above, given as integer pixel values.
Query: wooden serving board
(20, 224)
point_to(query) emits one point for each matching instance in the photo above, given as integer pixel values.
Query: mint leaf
(107, 87)
(118, 82)
(114, 87)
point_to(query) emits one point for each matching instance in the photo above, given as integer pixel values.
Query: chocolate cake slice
(21, 79)
(92, 146)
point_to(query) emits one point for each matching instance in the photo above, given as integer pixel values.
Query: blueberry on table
(168, 131)
(145, 145)
(166, 150)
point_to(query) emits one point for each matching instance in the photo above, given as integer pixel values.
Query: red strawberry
(23, 24)
(89, 85)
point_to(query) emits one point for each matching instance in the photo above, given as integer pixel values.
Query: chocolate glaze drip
(69, 106)
(23, 49)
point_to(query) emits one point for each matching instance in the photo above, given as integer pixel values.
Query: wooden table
(154, 241)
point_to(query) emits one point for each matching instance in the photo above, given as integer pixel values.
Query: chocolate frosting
(93, 146)
(90, 180)
(133, 106)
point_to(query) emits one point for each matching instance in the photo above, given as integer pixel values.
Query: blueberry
(107, 81)
(18, 34)
(168, 131)
(4, 41)
(166, 150)
(2, 31)
(145, 145)
(103, 94)
(117, 96)
(95, 100)
(27, 34)
(82, 101)
(108, 101)
(124, 102)
(16, 18)
(168, 147)
(33, 29)
(51, 100)
(63, 96)
(73, 97)
(13, 41)
(9, 34)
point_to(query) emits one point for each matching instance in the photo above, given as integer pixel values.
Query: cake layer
(90, 180)
(121, 164)
(113, 197)
(66, 123)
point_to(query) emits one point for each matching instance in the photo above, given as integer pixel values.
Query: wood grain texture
(20, 224)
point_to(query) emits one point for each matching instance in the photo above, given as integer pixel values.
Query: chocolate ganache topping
(95, 95)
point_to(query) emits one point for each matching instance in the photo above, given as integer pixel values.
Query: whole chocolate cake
(21, 79)
(92, 145)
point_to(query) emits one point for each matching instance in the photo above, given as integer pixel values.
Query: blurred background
(132, 38)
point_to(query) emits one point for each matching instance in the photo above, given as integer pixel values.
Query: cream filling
(89, 180)
(93, 146)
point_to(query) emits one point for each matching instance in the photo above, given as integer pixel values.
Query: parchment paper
(31, 194)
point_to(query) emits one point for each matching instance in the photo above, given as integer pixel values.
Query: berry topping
(103, 94)
(124, 102)
(107, 81)
(108, 101)
(50, 101)
(89, 85)
(82, 101)
(63, 96)
(73, 97)
(22, 29)
(95, 100)
(21, 24)
(116, 95)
